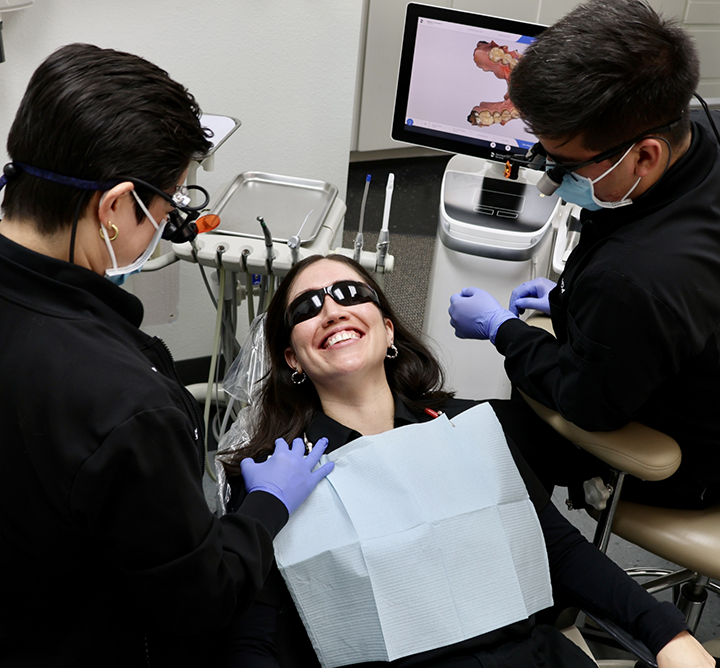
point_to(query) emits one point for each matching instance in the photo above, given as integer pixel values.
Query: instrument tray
(282, 201)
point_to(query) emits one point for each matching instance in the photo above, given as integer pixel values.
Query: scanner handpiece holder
(294, 242)
(384, 236)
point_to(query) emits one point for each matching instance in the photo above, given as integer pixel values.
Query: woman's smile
(340, 340)
(341, 336)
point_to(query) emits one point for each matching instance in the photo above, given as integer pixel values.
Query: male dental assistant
(636, 311)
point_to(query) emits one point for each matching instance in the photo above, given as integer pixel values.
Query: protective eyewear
(181, 221)
(310, 303)
(537, 158)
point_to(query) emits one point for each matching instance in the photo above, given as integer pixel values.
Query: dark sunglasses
(310, 303)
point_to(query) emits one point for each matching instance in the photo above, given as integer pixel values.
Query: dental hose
(269, 284)
(250, 296)
(359, 237)
(271, 288)
(249, 287)
(213, 364)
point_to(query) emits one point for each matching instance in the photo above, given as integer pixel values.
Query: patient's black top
(271, 634)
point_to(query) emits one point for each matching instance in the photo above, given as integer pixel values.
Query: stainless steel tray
(283, 201)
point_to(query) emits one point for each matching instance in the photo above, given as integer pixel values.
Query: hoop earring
(111, 226)
(392, 352)
(298, 377)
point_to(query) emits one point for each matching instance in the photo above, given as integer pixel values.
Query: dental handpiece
(293, 244)
(268, 244)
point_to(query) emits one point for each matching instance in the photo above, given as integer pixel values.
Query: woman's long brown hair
(285, 409)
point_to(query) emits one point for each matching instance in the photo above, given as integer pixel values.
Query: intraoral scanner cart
(493, 232)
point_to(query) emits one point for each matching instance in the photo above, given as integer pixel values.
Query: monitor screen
(452, 82)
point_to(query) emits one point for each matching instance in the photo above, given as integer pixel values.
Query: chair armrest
(639, 450)
(542, 321)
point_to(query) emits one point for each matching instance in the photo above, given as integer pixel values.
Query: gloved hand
(287, 473)
(476, 314)
(532, 294)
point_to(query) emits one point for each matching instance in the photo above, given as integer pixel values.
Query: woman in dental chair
(344, 368)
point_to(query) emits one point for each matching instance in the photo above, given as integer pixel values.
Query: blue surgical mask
(580, 190)
(119, 279)
(118, 275)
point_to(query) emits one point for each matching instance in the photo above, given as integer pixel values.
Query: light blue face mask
(119, 279)
(580, 190)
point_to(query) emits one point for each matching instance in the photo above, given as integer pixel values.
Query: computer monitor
(452, 82)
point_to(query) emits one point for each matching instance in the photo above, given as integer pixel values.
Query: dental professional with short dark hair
(109, 553)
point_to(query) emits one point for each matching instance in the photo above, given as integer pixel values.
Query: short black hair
(97, 114)
(607, 72)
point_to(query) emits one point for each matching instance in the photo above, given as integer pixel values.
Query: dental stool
(688, 538)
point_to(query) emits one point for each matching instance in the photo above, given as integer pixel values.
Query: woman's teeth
(341, 336)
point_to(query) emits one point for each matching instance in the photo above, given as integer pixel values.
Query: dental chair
(688, 538)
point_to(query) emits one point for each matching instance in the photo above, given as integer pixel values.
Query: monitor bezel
(445, 142)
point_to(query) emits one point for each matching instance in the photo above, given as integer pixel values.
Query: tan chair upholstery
(689, 538)
(636, 449)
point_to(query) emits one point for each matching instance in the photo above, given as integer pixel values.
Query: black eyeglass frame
(179, 228)
(364, 294)
(536, 158)
(539, 150)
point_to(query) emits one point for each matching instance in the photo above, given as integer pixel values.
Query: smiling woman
(344, 346)
(369, 561)
(359, 351)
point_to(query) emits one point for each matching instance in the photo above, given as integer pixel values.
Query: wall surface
(285, 68)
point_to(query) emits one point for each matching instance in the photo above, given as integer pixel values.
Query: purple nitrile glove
(287, 473)
(476, 314)
(532, 294)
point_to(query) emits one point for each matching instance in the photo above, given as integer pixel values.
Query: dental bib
(421, 537)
